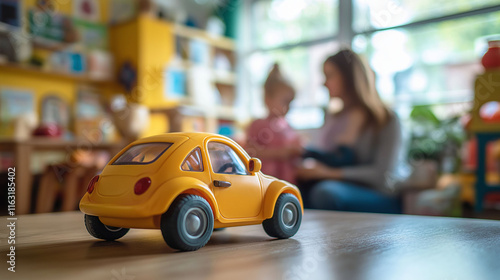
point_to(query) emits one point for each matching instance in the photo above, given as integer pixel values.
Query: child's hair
(276, 81)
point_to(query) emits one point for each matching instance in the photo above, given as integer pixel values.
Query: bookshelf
(51, 74)
(213, 40)
(195, 71)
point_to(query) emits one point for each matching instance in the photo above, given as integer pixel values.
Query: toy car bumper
(117, 211)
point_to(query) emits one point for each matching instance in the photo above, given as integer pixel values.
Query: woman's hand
(313, 170)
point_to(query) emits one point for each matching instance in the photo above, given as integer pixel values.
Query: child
(272, 139)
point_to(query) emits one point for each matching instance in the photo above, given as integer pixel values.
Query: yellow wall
(156, 49)
(148, 44)
(40, 85)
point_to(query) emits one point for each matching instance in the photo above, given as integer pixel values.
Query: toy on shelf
(131, 119)
(484, 116)
(491, 58)
(187, 185)
(484, 122)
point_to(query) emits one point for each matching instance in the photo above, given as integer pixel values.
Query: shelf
(51, 45)
(220, 112)
(38, 42)
(226, 112)
(224, 77)
(451, 97)
(193, 33)
(58, 143)
(28, 69)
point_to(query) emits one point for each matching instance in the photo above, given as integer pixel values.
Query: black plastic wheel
(101, 231)
(286, 218)
(188, 223)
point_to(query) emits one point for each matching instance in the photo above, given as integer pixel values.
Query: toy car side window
(193, 161)
(225, 160)
(142, 154)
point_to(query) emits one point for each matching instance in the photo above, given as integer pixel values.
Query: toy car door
(238, 193)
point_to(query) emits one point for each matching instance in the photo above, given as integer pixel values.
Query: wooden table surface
(329, 245)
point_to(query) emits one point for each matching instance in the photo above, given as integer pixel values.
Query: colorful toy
(484, 121)
(187, 184)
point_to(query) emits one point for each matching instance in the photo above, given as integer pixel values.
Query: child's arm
(262, 151)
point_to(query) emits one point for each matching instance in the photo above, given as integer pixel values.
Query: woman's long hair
(360, 85)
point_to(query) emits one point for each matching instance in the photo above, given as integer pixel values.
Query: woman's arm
(374, 174)
(315, 170)
(357, 121)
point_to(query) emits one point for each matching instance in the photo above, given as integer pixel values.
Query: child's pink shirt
(269, 133)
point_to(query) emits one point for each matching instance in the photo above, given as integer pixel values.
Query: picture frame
(14, 102)
(55, 110)
(89, 115)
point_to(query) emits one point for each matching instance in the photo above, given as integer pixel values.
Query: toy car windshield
(142, 154)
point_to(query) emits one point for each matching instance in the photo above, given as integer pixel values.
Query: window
(422, 52)
(425, 53)
(280, 22)
(299, 35)
(225, 160)
(142, 154)
(193, 161)
(373, 14)
(431, 63)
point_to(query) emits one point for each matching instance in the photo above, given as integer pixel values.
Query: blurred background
(81, 79)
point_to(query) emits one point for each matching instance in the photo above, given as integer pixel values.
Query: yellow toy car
(187, 184)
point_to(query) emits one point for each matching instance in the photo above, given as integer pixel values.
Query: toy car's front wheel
(99, 230)
(188, 223)
(286, 218)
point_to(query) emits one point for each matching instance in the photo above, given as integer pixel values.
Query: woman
(372, 134)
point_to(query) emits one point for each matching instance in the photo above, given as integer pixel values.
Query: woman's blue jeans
(345, 196)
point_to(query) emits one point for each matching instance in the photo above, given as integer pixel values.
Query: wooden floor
(329, 245)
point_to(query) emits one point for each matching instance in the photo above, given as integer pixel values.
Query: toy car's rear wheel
(286, 218)
(99, 230)
(188, 223)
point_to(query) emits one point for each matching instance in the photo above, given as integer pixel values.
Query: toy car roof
(173, 136)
